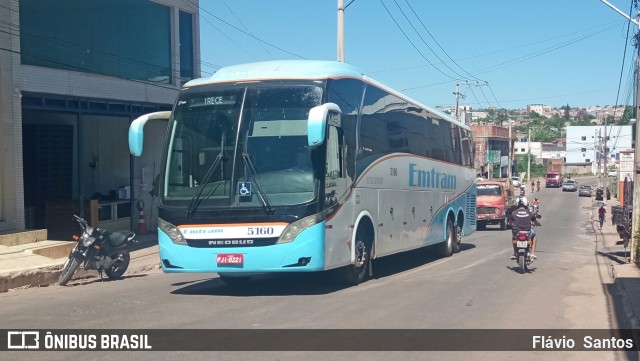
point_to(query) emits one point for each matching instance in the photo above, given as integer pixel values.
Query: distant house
(586, 145)
(491, 145)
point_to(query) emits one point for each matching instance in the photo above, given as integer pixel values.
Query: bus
(303, 166)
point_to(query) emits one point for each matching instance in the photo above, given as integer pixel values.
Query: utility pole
(510, 152)
(605, 175)
(598, 155)
(460, 95)
(486, 151)
(529, 157)
(636, 159)
(341, 31)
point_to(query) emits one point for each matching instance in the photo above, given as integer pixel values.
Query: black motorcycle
(523, 255)
(99, 250)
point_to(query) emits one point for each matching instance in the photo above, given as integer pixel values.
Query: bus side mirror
(136, 130)
(317, 123)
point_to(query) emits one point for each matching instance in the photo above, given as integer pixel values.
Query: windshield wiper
(195, 201)
(261, 195)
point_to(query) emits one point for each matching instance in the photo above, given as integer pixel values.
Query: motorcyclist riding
(521, 198)
(522, 220)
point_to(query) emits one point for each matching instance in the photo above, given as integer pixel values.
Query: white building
(553, 151)
(73, 75)
(522, 148)
(541, 109)
(585, 144)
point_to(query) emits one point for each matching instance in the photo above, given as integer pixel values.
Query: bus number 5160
(260, 231)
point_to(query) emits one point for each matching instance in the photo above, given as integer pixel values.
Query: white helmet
(522, 200)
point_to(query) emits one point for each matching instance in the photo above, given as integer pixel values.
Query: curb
(633, 321)
(47, 276)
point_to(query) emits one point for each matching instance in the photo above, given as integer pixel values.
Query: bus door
(339, 207)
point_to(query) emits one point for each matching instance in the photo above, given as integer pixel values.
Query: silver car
(516, 181)
(569, 186)
(584, 191)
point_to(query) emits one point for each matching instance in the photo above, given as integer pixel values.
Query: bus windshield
(242, 147)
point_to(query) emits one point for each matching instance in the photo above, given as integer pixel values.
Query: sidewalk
(38, 263)
(625, 275)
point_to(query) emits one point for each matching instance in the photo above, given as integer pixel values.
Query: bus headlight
(294, 229)
(172, 231)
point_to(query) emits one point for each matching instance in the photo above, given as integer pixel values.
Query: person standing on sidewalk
(601, 213)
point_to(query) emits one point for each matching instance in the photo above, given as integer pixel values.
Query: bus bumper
(304, 254)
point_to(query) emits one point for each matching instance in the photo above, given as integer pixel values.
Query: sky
(553, 52)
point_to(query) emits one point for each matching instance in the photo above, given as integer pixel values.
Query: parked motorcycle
(523, 249)
(99, 250)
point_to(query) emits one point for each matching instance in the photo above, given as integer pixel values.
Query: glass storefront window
(186, 47)
(128, 39)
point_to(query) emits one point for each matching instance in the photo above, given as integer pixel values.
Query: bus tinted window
(373, 128)
(347, 94)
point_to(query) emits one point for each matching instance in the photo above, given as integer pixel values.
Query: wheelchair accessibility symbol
(244, 189)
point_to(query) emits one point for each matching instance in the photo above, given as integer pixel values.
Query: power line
(412, 44)
(617, 22)
(624, 56)
(494, 96)
(424, 42)
(436, 41)
(244, 26)
(228, 38)
(244, 32)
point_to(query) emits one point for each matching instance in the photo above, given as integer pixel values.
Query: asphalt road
(479, 288)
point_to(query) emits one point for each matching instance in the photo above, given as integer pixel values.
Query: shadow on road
(95, 279)
(621, 310)
(313, 283)
(517, 269)
(618, 257)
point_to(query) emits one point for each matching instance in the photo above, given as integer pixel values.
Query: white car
(569, 186)
(516, 181)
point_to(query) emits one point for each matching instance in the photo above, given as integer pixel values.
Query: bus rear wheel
(447, 247)
(356, 273)
(457, 240)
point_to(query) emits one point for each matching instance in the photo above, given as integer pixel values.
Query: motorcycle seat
(118, 238)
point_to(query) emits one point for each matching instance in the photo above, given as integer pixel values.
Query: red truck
(553, 179)
(493, 198)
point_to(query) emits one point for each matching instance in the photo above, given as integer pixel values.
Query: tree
(537, 170)
(566, 113)
(627, 115)
(502, 116)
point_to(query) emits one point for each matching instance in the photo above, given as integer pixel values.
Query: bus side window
(335, 181)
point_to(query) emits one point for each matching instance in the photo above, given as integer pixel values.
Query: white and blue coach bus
(299, 166)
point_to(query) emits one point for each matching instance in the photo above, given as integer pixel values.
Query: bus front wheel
(356, 273)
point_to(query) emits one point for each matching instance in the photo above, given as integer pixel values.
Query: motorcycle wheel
(522, 263)
(68, 270)
(119, 268)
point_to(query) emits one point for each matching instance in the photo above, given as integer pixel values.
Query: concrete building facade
(585, 143)
(73, 75)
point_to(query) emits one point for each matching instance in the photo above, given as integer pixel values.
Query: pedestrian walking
(601, 213)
